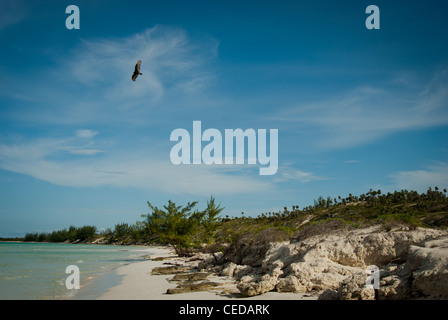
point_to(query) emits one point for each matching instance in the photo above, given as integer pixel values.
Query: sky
(82, 144)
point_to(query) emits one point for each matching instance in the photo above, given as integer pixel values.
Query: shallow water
(31, 271)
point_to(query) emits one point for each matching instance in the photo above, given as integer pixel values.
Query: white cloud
(289, 173)
(366, 113)
(86, 152)
(169, 59)
(174, 67)
(435, 175)
(85, 133)
(92, 82)
(140, 170)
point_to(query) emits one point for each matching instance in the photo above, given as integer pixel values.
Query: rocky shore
(413, 264)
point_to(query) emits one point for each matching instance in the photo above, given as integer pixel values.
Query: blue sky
(81, 144)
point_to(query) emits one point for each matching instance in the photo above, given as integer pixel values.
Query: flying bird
(137, 70)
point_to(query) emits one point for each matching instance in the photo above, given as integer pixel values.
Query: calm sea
(37, 270)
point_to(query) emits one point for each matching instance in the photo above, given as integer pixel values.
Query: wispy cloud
(86, 133)
(367, 113)
(92, 82)
(289, 173)
(434, 175)
(174, 67)
(85, 152)
(71, 162)
(39, 159)
(170, 59)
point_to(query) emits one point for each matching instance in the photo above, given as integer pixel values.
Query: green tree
(210, 218)
(121, 230)
(175, 224)
(72, 236)
(183, 227)
(31, 237)
(86, 233)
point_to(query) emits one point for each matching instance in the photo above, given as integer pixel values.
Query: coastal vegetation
(189, 229)
(183, 227)
(72, 234)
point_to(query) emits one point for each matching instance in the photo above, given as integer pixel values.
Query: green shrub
(321, 227)
(406, 219)
(180, 226)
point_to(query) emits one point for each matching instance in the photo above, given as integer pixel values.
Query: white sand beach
(138, 283)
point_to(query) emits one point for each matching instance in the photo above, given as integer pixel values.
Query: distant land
(12, 239)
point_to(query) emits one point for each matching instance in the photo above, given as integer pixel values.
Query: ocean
(37, 271)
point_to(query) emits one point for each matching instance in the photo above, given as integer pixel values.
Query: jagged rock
(428, 269)
(354, 288)
(252, 260)
(198, 257)
(372, 246)
(169, 270)
(242, 271)
(208, 261)
(246, 254)
(195, 276)
(266, 284)
(248, 278)
(273, 268)
(324, 281)
(424, 275)
(290, 284)
(329, 294)
(413, 264)
(193, 287)
(229, 269)
(158, 258)
(393, 288)
(319, 274)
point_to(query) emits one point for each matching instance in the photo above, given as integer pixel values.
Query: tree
(210, 218)
(183, 227)
(121, 230)
(175, 224)
(86, 233)
(71, 234)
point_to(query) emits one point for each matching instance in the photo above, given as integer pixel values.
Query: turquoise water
(31, 271)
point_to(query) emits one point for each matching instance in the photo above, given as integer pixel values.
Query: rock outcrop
(412, 263)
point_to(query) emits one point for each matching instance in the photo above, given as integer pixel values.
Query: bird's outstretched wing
(137, 70)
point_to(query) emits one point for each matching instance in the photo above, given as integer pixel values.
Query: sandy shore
(137, 283)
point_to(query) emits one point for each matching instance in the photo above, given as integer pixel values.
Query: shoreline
(135, 281)
(97, 286)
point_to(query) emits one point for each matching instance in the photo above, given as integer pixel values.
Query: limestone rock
(242, 271)
(229, 269)
(393, 287)
(266, 284)
(185, 287)
(412, 263)
(290, 284)
(428, 269)
(354, 288)
(170, 270)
